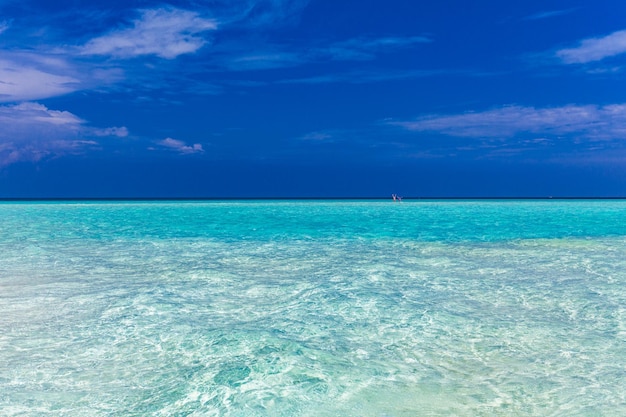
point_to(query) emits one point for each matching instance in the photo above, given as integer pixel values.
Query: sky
(312, 98)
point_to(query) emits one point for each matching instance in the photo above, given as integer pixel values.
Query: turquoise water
(313, 308)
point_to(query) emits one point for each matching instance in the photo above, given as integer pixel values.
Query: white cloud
(27, 75)
(35, 113)
(24, 81)
(30, 131)
(595, 49)
(166, 33)
(120, 132)
(180, 146)
(591, 122)
(48, 71)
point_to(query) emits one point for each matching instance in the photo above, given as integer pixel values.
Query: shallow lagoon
(313, 308)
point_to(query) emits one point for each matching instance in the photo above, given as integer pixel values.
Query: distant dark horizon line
(283, 198)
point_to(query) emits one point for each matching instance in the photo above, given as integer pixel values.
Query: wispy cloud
(31, 131)
(263, 13)
(369, 48)
(35, 75)
(166, 33)
(362, 77)
(549, 13)
(268, 56)
(106, 61)
(594, 49)
(591, 122)
(261, 60)
(120, 132)
(21, 81)
(316, 137)
(180, 146)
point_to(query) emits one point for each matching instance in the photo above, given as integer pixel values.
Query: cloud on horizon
(589, 122)
(30, 132)
(180, 146)
(594, 49)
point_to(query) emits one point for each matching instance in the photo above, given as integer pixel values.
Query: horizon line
(283, 198)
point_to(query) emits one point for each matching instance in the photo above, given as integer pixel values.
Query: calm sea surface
(313, 308)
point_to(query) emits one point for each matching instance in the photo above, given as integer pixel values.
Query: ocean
(313, 308)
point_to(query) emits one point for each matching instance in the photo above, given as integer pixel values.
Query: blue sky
(262, 98)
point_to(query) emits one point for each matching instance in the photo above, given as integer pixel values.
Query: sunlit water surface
(313, 308)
